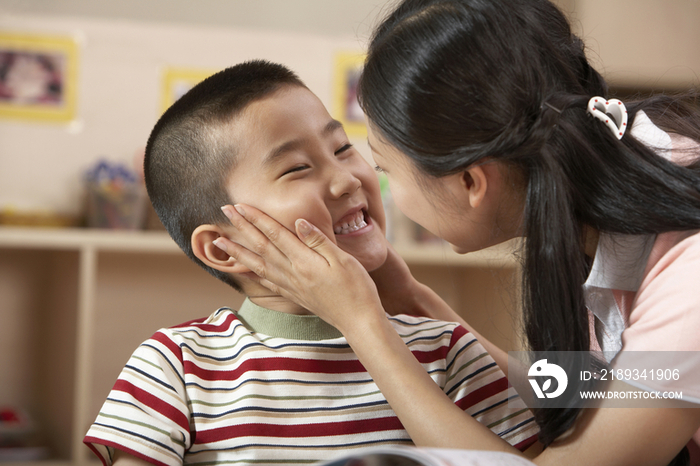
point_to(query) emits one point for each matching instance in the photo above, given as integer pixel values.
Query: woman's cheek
(400, 199)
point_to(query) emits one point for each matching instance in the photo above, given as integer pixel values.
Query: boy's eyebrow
(288, 146)
(332, 126)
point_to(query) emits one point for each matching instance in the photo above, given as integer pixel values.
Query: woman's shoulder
(666, 310)
(673, 249)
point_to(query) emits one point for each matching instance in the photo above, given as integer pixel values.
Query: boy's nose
(344, 182)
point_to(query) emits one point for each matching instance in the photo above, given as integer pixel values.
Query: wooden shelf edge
(80, 238)
(40, 463)
(439, 254)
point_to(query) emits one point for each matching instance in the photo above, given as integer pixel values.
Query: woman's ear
(475, 181)
(205, 250)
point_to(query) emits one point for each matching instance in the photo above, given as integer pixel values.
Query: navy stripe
(114, 400)
(291, 410)
(498, 403)
(415, 324)
(149, 376)
(461, 350)
(261, 345)
(461, 382)
(275, 381)
(135, 434)
(275, 446)
(508, 431)
(177, 371)
(435, 338)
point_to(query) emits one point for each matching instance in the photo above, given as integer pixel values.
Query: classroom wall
(126, 45)
(120, 72)
(646, 44)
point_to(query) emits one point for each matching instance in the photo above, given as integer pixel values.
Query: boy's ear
(204, 249)
(475, 180)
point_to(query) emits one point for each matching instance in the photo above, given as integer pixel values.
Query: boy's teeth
(350, 225)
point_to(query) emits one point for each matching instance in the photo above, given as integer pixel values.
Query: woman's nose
(344, 182)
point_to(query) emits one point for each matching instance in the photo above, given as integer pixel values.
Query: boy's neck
(278, 303)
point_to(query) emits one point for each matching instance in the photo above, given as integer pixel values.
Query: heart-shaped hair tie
(611, 112)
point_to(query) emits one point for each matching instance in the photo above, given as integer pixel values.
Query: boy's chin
(372, 260)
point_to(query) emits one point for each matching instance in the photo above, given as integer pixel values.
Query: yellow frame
(345, 64)
(173, 77)
(66, 46)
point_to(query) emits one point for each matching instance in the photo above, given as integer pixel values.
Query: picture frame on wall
(177, 81)
(38, 77)
(346, 108)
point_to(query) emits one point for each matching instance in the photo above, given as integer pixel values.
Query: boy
(271, 383)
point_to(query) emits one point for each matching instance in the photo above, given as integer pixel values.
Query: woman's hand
(401, 293)
(397, 288)
(315, 273)
(309, 269)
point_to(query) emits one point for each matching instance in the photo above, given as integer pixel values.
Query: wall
(121, 65)
(126, 45)
(645, 44)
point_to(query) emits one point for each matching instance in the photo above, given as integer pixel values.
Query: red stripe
(480, 394)
(190, 323)
(299, 430)
(168, 343)
(89, 442)
(153, 402)
(198, 323)
(222, 327)
(527, 443)
(457, 333)
(277, 364)
(427, 357)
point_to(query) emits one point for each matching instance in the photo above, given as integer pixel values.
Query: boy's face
(295, 161)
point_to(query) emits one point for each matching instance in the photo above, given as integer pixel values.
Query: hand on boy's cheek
(220, 255)
(394, 283)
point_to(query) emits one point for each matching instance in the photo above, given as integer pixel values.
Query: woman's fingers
(251, 260)
(269, 233)
(255, 239)
(258, 266)
(316, 240)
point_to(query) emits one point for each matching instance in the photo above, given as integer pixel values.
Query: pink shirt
(643, 292)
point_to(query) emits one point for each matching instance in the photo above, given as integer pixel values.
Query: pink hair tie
(612, 112)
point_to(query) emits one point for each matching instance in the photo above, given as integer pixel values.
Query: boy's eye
(378, 169)
(295, 169)
(343, 149)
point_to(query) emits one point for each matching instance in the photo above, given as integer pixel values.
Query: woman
(481, 114)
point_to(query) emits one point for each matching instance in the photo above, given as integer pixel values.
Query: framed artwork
(348, 67)
(177, 81)
(38, 77)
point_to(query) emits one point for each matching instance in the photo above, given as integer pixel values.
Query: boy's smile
(294, 161)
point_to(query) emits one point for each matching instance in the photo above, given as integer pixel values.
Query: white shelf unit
(89, 297)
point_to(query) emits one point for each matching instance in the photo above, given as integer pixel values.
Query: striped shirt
(264, 387)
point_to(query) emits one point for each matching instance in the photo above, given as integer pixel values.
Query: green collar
(282, 325)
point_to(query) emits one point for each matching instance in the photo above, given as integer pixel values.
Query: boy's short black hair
(189, 157)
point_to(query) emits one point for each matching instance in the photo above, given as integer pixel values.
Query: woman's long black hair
(452, 83)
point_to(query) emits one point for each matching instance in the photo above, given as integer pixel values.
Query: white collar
(646, 132)
(620, 261)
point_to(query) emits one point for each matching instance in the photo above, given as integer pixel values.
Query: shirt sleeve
(477, 385)
(146, 413)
